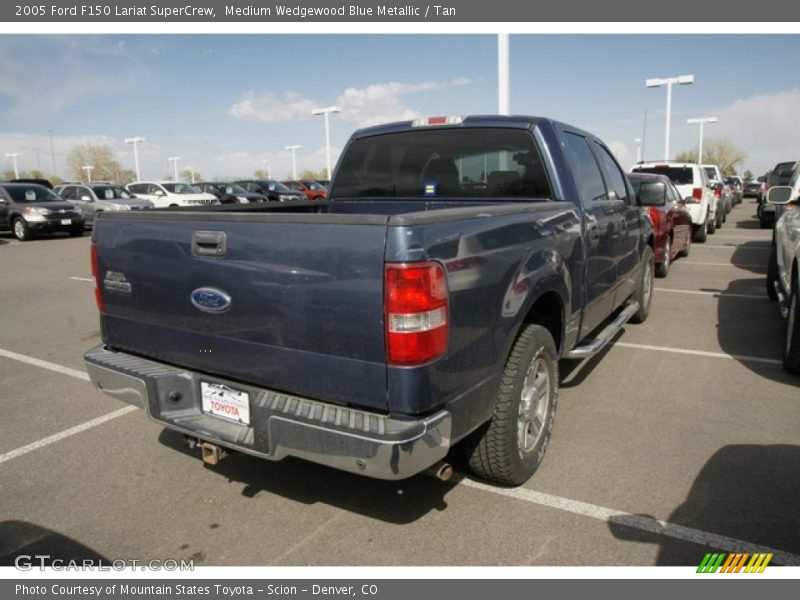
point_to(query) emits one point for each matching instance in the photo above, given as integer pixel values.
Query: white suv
(692, 182)
(170, 193)
(783, 274)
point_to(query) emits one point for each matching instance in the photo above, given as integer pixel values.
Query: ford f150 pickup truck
(426, 302)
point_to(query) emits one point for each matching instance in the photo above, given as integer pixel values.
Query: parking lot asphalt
(680, 438)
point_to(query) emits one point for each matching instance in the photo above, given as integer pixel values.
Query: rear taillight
(697, 196)
(416, 307)
(655, 216)
(718, 192)
(98, 297)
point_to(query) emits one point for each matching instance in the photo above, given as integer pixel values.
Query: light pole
(88, 169)
(638, 142)
(174, 160)
(135, 141)
(13, 156)
(503, 76)
(52, 152)
(326, 111)
(269, 168)
(702, 121)
(668, 81)
(294, 149)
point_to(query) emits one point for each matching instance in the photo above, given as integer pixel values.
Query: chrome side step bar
(604, 336)
(782, 300)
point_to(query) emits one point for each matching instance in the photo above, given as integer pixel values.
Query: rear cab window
(444, 163)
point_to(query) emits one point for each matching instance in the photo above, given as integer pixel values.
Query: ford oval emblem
(210, 300)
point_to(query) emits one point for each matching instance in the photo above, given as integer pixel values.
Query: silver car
(95, 197)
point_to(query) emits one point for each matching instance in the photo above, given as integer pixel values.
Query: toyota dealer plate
(223, 401)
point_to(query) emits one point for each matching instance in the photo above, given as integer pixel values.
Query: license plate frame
(225, 402)
(66, 221)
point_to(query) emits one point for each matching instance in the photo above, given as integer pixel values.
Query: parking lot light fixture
(638, 142)
(52, 151)
(327, 111)
(135, 141)
(701, 121)
(174, 160)
(669, 81)
(13, 156)
(88, 169)
(294, 150)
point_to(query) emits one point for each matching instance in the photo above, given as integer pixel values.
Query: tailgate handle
(209, 243)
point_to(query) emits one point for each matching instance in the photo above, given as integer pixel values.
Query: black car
(752, 189)
(28, 208)
(275, 191)
(229, 193)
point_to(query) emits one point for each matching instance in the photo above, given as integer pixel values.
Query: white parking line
(736, 246)
(65, 434)
(715, 294)
(756, 359)
(601, 513)
(713, 264)
(82, 279)
(44, 364)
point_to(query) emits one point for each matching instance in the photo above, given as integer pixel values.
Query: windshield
(31, 193)
(445, 163)
(232, 188)
(678, 175)
(277, 186)
(110, 192)
(180, 188)
(651, 193)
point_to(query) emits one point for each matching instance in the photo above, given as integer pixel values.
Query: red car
(672, 224)
(312, 189)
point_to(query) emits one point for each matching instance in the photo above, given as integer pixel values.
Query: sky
(226, 104)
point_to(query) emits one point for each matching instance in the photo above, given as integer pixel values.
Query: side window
(135, 188)
(80, 192)
(614, 176)
(588, 179)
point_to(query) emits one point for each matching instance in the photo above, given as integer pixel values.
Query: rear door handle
(213, 244)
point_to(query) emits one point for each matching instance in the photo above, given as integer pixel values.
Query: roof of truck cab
(511, 122)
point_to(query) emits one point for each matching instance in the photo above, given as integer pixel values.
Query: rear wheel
(644, 288)
(712, 223)
(772, 274)
(21, 231)
(662, 268)
(791, 346)
(511, 446)
(699, 233)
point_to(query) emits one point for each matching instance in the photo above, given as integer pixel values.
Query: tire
(712, 225)
(791, 345)
(20, 229)
(511, 446)
(644, 287)
(662, 268)
(772, 274)
(687, 248)
(700, 233)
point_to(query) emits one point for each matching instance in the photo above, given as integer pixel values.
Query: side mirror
(160, 193)
(682, 201)
(3, 202)
(780, 194)
(86, 199)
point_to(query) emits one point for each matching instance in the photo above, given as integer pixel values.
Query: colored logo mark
(430, 189)
(734, 563)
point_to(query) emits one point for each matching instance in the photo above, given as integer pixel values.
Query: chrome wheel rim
(790, 325)
(19, 229)
(647, 284)
(533, 406)
(667, 252)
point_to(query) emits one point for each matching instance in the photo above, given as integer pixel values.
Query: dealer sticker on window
(223, 401)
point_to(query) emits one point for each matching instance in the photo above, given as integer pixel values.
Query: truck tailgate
(295, 301)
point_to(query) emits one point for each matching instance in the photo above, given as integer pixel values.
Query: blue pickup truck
(426, 303)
